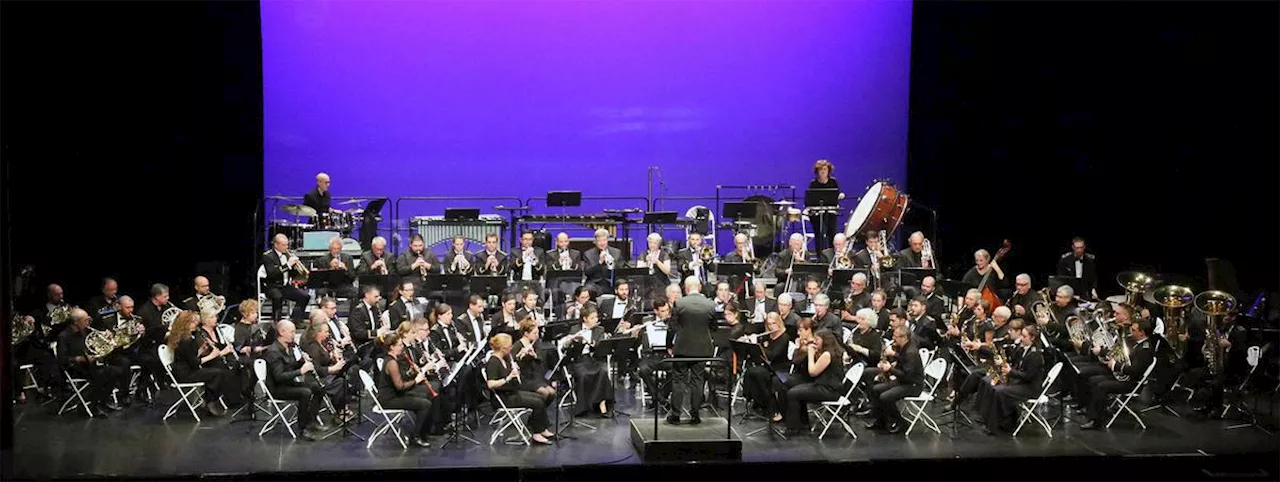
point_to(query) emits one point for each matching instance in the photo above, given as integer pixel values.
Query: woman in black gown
(591, 382)
(402, 386)
(533, 369)
(824, 225)
(504, 377)
(188, 357)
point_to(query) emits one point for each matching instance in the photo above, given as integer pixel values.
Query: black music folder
(821, 197)
(445, 282)
(488, 285)
(386, 283)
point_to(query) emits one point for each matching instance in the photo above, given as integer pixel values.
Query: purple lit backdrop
(515, 98)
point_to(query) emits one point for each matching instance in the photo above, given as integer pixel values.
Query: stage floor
(135, 442)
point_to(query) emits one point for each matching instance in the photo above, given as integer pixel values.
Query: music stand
(823, 197)
(618, 345)
(737, 273)
(461, 214)
(445, 282)
(1077, 284)
(915, 276)
(804, 271)
(564, 199)
(458, 415)
(841, 277)
(369, 222)
(570, 355)
(487, 286)
(327, 278)
(954, 288)
(386, 283)
(739, 210)
(637, 276)
(660, 217)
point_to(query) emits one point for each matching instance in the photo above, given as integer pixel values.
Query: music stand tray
(1077, 284)
(445, 282)
(840, 277)
(488, 285)
(564, 199)
(461, 214)
(326, 278)
(805, 270)
(739, 210)
(660, 217)
(914, 276)
(385, 282)
(953, 288)
(821, 197)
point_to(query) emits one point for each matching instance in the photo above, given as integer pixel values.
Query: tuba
(1040, 308)
(1175, 299)
(1216, 305)
(1134, 284)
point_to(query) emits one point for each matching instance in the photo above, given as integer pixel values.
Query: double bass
(989, 293)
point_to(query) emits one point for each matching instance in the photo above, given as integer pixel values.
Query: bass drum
(880, 209)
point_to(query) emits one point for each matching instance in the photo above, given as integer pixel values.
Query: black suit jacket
(1089, 268)
(598, 274)
(463, 323)
(406, 260)
(366, 261)
(908, 258)
(749, 307)
(282, 367)
(1029, 368)
(363, 322)
(925, 332)
(606, 307)
(1141, 356)
(552, 259)
(398, 312)
(784, 262)
(156, 328)
(693, 317)
(98, 304)
(480, 257)
(517, 264)
(445, 339)
(275, 269)
(862, 259)
(909, 368)
(349, 275)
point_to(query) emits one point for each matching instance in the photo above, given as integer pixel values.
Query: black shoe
(695, 419)
(1090, 425)
(421, 442)
(673, 419)
(895, 427)
(874, 425)
(608, 414)
(112, 406)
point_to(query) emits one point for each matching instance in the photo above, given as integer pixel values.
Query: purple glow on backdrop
(515, 98)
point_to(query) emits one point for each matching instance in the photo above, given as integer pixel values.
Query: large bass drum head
(858, 219)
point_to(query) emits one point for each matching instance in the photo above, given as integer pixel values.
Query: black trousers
(538, 420)
(1100, 387)
(688, 379)
(976, 383)
(420, 406)
(824, 229)
(102, 379)
(219, 382)
(647, 369)
(765, 389)
(885, 397)
(44, 366)
(800, 396)
(1087, 370)
(310, 398)
(278, 295)
(1210, 391)
(1000, 405)
(338, 291)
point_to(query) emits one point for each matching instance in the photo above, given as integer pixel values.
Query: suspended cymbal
(298, 210)
(784, 203)
(353, 201)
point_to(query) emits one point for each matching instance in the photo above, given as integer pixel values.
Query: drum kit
(307, 220)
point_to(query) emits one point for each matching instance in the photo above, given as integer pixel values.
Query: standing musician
(591, 378)
(661, 271)
(202, 291)
(1141, 355)
(1022, 376)
(1079, 264)
(600, 261)
(1023, 297)
(331, 367)
(319, 198)
(191, 357)
(912, 256)
(564, 259)
(457, 260)
(100, 305)
(503, 376)
(415, 264)
(764, 384)
(692, 260)
(759, 305)
(287, 378)
(820, 363)
(691, 337)
(490, 261)
(74, 357)
(376, 260)
(337, 261)
(279, 264)
(981, 264)
(824, 225)
(529, 264)
(795, 253)
(651, 355)
(902, 378)
(402, 387)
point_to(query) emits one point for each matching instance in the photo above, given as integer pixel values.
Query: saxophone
(997, 362)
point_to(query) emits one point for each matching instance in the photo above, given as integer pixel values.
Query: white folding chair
(508, 417)
(78, 386)
(1029, 407)
(916, 405)
(836, 410)
(28, 370)
(262, 298)
(277, 406)
(390, 416)
(1120, 402)
(189, 394)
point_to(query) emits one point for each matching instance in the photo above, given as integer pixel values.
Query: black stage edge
(704, 442)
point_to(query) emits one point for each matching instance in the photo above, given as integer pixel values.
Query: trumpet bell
(1173, 296)
(1215, 302)
(1134, 282)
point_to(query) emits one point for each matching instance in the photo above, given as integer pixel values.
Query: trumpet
(460, 264)
(527, 256)
(926, 255)
(566, 263)
(422, 270)
(607, 258)
(383, 268)
(491, 264)
(297, 265)
(651, 259)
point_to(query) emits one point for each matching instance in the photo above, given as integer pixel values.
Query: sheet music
(586, 337)
(657, 334)
(619, 309)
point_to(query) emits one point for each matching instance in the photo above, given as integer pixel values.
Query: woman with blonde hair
(502, 376)
(188, 357)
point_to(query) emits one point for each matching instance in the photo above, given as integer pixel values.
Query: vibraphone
(436, 229)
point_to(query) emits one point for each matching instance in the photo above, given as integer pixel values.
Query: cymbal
(353, 201)
(298, 210)
(784, 203)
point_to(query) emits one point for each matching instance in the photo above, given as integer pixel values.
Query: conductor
(693, 315)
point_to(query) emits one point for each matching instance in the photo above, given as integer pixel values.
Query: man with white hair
(280, 265)
(741, 249)
(1023, 297)
(674, 292)
(797, 252)
(758, 306)
(291, 378)
(600, 261)
(839, 244)
(376, 260)
(786, 311)
(319, 198)
(341, 285)
(823, 318)
(912, 255)
(693, 317)
(856, 296)
(662, 270)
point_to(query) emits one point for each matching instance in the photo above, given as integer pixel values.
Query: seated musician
(651, 355)
(982, 263)
(143, 353)
(202, 291)
(376, 261)
(1088, 358)
(758, 305)
(862, 258)
(211, 340)
(191, 363)
(1022, 299)
(471, 322)
(1214, 388)
(123, 321)
(600, 261)
(978, 382)
(532, 366)
(590, 375)
(528, 307)
(865, 344)
(820, 361)
(796, 252)
(839, 246)
(924, 328)
(491, 261)
(743, 252)
(856, 296)
(445, 335)
(567, 263)
(1120, 377)
(724, 295)
(330, 365)
(419, 353)
(365, 321)
(879, 299)
(290, 377)
(74, 356)
(580, 302)
(503, 375)
(1022, 375)
(405, 307)
(674, 292)
(622, 303)
(337, 261)
(411, 264)
(823, 318)
(936, 302)
(103, 304)
(402, 387)
(912, 256)
(529, 263)
(786, 311)
(902, 378)
(763, 384)
(973, 334)
(280, 265)
(507, 320)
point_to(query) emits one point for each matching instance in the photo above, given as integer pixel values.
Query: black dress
(590, 376)
(824, 225)
(396, 390)
(218, 381)
(764, 384)
(533, 370)
(824, 388)
(513, 396)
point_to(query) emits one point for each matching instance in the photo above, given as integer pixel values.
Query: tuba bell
(1216, 305)
(1175, 299)
(1134, 284)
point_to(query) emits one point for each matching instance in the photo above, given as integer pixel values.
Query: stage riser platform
(705, 442)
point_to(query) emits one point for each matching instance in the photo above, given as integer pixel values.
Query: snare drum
(880, 209)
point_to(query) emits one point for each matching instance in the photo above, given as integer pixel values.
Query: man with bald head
(318, 198)
(74, 356)
(53, 301)
(279, 265)
(200, 285)
(690, 336)
(289, 377)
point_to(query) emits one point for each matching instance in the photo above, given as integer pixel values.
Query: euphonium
(1216, 305)
(1077, 330)
(1175, 299)
(926, 255)
(1120, 353)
